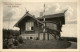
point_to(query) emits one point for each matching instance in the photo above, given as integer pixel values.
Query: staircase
(54, 33)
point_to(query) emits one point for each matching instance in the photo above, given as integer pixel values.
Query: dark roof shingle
(52, 16)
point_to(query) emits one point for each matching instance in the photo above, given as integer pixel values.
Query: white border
(56, 50)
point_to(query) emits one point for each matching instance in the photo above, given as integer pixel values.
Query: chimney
(41, 14)
(34, 16)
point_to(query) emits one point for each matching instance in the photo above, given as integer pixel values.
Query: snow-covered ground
(69, 30)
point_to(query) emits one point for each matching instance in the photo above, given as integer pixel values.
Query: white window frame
(29, 25)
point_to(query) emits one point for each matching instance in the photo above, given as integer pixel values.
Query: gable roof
(46, 16)
(52, 16)
(27, 14)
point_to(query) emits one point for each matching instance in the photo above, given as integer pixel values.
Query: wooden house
(32, 28)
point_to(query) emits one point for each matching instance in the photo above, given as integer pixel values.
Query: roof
(27, 14)
(52, 16)
(46, 16)
(60, 16)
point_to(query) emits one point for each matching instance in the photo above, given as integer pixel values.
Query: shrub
(20, 40)
(15, 42)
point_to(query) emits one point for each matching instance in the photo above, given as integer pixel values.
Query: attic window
(29, 26)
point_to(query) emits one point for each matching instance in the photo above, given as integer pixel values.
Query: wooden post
(38, 31)
(44, 25)
(43, 35)
(38, 35)
(48, 36)
(44, 30)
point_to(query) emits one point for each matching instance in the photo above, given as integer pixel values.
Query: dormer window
(29, 26)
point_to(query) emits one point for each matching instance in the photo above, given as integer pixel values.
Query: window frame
(30, 26)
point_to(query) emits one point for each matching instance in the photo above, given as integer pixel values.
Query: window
(29, 26)
(31, 38)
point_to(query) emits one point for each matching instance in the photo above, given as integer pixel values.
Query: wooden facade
(32, 28)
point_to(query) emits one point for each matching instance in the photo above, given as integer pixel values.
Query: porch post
(44, 24)
(44, 30)
(38, 35)
(43, 35)
(38, 31)
(48, 36)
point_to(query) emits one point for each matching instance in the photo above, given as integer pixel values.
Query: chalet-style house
(32, 28)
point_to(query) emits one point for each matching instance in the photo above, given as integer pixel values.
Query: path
(73, 45)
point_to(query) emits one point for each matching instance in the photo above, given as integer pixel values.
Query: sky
(11, 15)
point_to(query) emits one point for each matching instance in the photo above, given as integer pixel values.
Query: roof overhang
(52, 16)
(27, 14)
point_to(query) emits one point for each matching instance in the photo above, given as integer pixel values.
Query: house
(32, 28)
